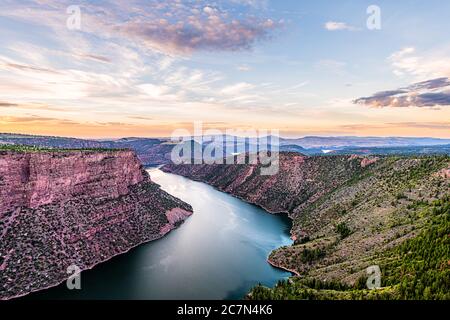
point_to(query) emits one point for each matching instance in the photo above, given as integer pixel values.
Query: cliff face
(74, 208)
(301, 180)
(33, 179)
(345, 209)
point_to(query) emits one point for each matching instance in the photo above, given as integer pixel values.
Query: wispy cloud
(94, 57)
(29, 106)
(28, 68)
(237, 88)
(172, 27)
(424, 125)
(391, 125)
(338, 26)
(244, 68)
(408, 62)
(34, 119)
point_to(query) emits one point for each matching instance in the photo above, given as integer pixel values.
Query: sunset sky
(146, 68)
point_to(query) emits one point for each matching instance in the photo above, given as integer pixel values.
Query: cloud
(141, 118)
(28, 68)
(94, 57)
(34, 119)
(40, 120)
(31, 106)
(407, 62)
(430, 93)
(338, 26)
(258, 4)
(243, 68)
(170, 27)
(424, 125)
(131, 55)
(157, 92)
(208, 31)
(237, 88)
(108, 71)
(7, 104)
(391, 125)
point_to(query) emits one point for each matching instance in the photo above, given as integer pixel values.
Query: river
(220, 252)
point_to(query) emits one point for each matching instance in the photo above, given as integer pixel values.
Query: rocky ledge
(81, 208)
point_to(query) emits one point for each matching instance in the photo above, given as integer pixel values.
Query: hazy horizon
(280, 136)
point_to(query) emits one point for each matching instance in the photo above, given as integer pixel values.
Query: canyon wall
(346, 210)
(32, 179)
(300, 180)
(65, 208)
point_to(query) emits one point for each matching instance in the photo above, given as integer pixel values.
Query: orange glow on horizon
(90, 131)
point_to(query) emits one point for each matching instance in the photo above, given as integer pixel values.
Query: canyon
(200, 260)
(348, 213)
(81, 207)
(60, 208)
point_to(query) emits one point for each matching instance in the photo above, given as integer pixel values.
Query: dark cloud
(7, 104)
(430, 93)
(388, 93)
(431, 84)
(434, 99)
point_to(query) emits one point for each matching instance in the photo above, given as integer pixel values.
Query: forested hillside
(350, 213)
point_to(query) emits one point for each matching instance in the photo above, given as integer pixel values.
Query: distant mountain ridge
(350, 141)
(151, 151)
(157, 151)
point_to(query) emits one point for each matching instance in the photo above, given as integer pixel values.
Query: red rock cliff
(82, 207)
(33, 179)
(300, 180)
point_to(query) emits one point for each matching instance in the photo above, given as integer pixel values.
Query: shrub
(343, 230)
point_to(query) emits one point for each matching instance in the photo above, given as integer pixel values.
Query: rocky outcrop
(444, 173)
(59, 209)
(365, 161)
(174, 218)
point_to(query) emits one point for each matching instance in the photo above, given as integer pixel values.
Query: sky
(106, 69)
